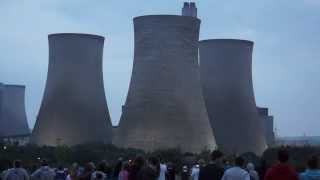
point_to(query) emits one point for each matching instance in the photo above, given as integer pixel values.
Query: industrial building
(226, 75)
(74, 108)
(172, 101)
(164, 106)
(13, 118)
(268, 125)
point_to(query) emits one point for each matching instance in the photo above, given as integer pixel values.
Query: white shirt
(236, 173)
(16, 173)
(195, 173)
(43, 173)
(163, 171)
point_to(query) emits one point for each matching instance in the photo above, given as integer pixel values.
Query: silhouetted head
(60, 168)
(239, 161)
(17, 164)
(44, 162)
(139, 162)
(160, 159)
(216, 154)
(313, 162)
(154, 162)
(283, 155)
(102, 166)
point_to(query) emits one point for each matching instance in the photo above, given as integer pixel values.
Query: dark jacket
(148, 173)
(86, 175)
(134, 172)
(281, 171)
(211, 172)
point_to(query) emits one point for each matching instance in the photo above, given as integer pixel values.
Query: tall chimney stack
(189, 9)
(193, 9)
(186, 9)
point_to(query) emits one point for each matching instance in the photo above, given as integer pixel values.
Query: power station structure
(164, 106)
(268, 125)
(226, 75)
(13, 118)
(172, 102)
(74, 108)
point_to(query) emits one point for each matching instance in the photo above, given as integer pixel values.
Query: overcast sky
(286, 54)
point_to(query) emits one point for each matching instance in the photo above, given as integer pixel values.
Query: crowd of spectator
(154, 168)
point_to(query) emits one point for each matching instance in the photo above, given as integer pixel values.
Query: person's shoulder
(230, 170)
(213, 166)
(48, 171)
(292, 170)
(255, 173)
(233, 168)
(269, 173)
(281, 168)
(52, 171)
(35, 172)
(39, 170)
(302, 175)
(236, 170)
(163, 166)
(244, 172)
(272, 169)
(206, 167)
(23, 170)
(3, 172)
(8, 170)
(313, 173)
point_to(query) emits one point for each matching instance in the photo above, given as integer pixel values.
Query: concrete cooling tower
(74, 108)
(13, 118)
(268, 125)
(164, 106)
(226, 75)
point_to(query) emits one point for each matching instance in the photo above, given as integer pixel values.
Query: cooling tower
(268, 125)
(226, 75)
(164, 106)
(74, 108)
(13, 118)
